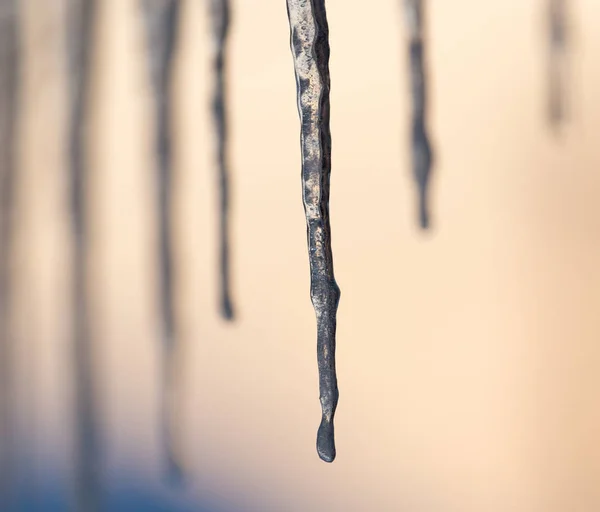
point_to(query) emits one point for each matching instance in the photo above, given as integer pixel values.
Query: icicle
(219, 16)
(557, 61)
(310, 49)
(161, 20)
(421, 148)
(9, 69)
(87, 475)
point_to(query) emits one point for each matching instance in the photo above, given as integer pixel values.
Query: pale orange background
(467, 359)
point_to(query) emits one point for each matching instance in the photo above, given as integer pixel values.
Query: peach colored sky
(467, 359)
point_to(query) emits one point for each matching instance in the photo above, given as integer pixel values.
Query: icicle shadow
(220, 20)
(422, 155)
(9, 72)
(310, 50)
(80, 25)
(558, 60)
(161, 18)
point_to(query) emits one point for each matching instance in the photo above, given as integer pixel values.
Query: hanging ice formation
(9, 70)
(421, 146)
(310, 50)
(87, 474)
(557, 61)
(219, 11)
(161, 23)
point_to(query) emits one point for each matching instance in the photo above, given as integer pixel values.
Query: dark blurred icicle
(161, 24)
(80, 16)
(310, 50)
(219, 20)
(557, 60)
(9, 69)
(414, 12)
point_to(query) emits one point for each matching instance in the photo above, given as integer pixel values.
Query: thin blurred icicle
(80, 35)
(414, 13)
(219, 20)
(557, 65)
(161, 23)
(9, 72)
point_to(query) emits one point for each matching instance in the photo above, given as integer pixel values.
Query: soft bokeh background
(467, 358)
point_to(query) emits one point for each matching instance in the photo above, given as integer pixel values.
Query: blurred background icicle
(161, 19)
(558, 41)
(219, 21)
(414, 13)
(80, 27)
(9, 72)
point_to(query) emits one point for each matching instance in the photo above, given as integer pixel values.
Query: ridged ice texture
(421, 146)
(80, 25)
(161, 18)
(9, 67)
(310, 50)
(219, 14)
(557, 61)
